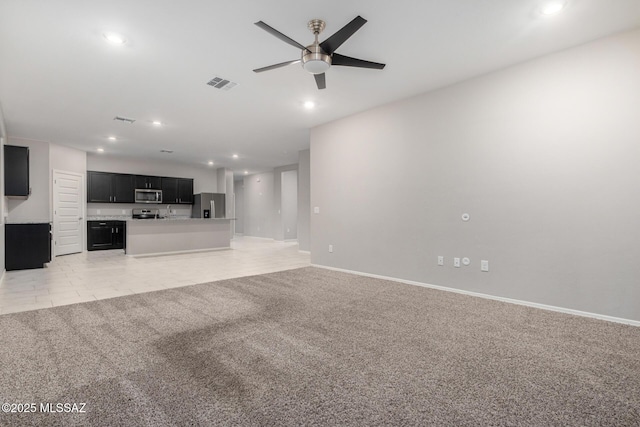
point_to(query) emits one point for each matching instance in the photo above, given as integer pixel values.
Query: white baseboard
(492, 297)
(305, 252)
(190, 251)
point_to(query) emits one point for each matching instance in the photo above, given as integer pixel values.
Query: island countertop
(177, 235)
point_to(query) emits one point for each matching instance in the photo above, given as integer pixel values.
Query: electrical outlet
(124, 212)
(316, 210)
(440, 260)
(330, 248)
(484, 265)
(456, 262)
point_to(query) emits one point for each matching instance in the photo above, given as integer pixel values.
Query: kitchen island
(177, 235)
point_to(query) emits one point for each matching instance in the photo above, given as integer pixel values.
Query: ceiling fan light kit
(319, 57)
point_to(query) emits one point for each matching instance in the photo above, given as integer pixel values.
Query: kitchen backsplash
(107, 209)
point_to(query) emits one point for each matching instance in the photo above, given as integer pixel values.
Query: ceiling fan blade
(320, 81)
(347, 61)
(339, 37)
(274, 66)
(279, 35)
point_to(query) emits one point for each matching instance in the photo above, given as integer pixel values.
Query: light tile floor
(90, 276)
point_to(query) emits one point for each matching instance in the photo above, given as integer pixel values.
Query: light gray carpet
(317, 347)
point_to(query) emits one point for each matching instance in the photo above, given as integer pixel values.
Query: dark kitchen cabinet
(103, 235)
(105, 187)
(27, 246)
(185, 191)
(16, 171)
(169, 190)
(148, 182)
(177, 190)
(123, 188)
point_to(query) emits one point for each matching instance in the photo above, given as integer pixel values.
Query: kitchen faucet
(168, 211)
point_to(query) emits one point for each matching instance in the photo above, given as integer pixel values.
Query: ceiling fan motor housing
(315, 60)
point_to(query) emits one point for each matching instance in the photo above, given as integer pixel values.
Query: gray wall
(289, 204)
(304, 200)
(239, 206)
(258, 205)
(277, 215)
(544, 158)
(67, 159)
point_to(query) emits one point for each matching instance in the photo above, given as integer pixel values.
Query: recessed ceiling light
(235, 156)
(246, 172)
(114, 38)
(553, 7)
(210, 162)
(100, 150)
(309, 105)
(157, 123)
(112, 138)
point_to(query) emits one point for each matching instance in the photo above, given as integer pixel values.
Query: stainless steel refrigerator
(208, 205)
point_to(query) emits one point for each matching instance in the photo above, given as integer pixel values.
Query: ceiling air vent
(124, 119)
(166, 151)
(220, 83)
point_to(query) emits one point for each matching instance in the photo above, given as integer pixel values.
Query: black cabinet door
(169, 190)
(123, 188)
(120, 237)
(99, 187)
(155, 182)
(16, 171)
(148, 182)
(141, 181)
(100, 235)
(185, 191)
(27, 246)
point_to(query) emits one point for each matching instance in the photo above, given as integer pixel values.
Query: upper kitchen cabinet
(16, 171)
(123, 188)
(185, 191)
(148, 182)
(104, 187)
(177, 190)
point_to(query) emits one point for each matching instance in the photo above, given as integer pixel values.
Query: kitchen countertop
(173, 218)
(26, 222)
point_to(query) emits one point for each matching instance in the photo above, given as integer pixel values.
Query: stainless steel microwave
(144, 195)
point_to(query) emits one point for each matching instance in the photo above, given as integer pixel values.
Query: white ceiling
(60, 81)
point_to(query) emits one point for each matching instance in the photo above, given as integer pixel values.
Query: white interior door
(68, 212)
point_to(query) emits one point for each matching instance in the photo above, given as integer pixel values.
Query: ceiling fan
(318, 57)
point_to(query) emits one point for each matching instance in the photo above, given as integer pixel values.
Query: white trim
(305, 252)
(190, 251)
(492, 297)
(258, 237)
